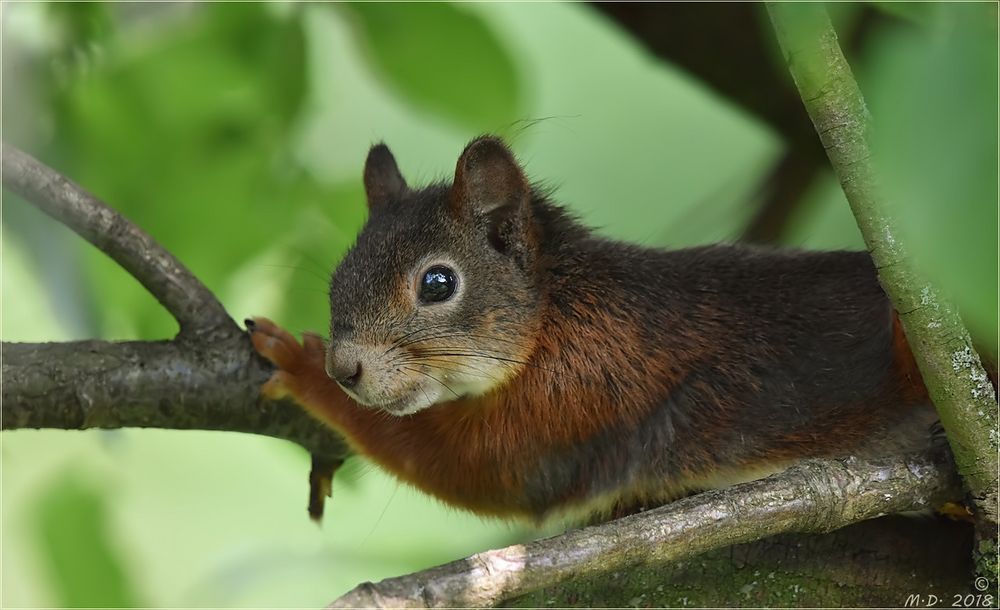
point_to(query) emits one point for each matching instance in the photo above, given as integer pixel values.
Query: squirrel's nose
(343, 363)
(347, 376)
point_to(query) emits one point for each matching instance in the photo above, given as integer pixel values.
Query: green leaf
(442, 58)
(72, 533)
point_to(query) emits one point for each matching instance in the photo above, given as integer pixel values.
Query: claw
(275, 343)
(265, 326)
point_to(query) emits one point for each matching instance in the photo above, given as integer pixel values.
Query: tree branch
(208, 378)
(950, 367)
(156, 384)
(876, 563)
(193, 306)
(816, 496)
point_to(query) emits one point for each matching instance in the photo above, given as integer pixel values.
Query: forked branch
(208, 378)
(193, 306)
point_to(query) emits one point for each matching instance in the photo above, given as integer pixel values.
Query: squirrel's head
(437, 299)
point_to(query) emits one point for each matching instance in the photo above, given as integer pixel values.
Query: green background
(235, 134)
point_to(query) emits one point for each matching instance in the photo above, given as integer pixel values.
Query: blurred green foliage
(477, 85)
(219, 90)
(936, 128)
(235, 134)
(71, 527)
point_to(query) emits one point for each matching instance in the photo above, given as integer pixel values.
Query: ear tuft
(488, 178)
(383, 182)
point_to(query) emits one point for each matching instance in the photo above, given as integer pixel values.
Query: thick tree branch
(193, 306)
(879, 563)
(817, 496)
(163, 384)
(951, 369)
(208, 378)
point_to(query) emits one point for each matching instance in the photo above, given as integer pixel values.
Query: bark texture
(878, 563)
(180, 385)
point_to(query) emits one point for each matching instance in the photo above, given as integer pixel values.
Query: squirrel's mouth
(412, 400)
(407, 405)
(401, 407)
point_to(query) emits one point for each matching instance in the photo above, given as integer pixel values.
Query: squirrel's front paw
(297, 363)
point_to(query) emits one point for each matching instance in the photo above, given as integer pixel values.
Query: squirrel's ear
(490, 186)
(488, 179)
(383, 182)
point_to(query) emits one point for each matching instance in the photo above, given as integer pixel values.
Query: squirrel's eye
(438, 284)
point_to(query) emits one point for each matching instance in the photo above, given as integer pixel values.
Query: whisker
(312, 272)
(447, 352)
(396, 343)
(401, 341)
(426, 397)
(324, 269)
(476, 371)
(462, 334)
(425, 374)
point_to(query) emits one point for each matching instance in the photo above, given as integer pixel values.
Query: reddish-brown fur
(476, 452)
(912, 383)
(471, 452)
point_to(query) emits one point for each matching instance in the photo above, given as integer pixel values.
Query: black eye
(438, 284)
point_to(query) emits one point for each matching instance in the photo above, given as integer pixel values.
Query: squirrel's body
(636, 375)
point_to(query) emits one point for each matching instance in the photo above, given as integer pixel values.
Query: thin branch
(178, 385)
(950, 367)
(812, 497)
(193, 306)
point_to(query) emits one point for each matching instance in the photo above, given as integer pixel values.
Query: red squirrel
(490, 350)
